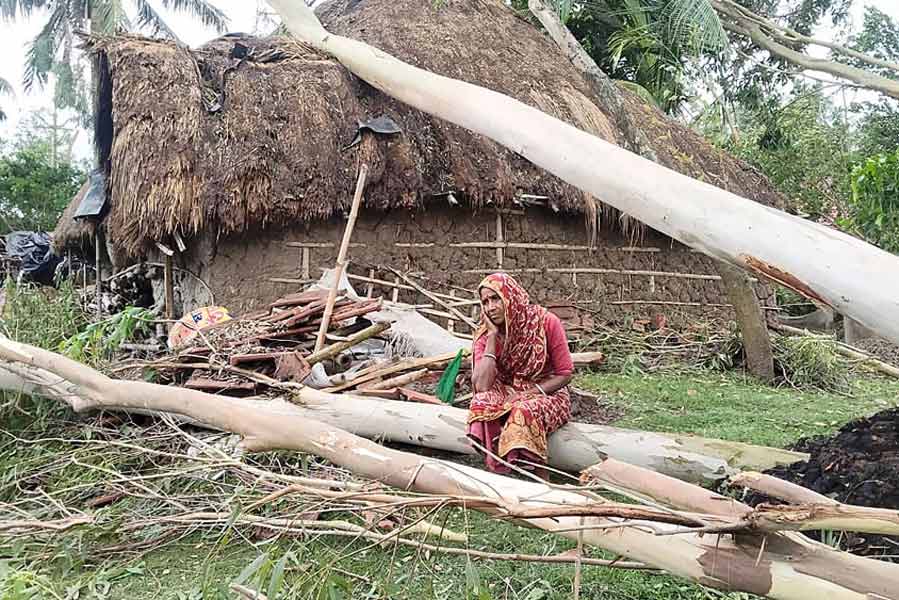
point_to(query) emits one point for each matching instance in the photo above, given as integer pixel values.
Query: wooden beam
(500, 244)
(319, 245)
(169, 284)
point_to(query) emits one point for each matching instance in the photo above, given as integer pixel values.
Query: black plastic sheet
(93, 205)
(36, 259)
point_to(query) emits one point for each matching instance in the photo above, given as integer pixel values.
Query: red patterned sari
(513, 418)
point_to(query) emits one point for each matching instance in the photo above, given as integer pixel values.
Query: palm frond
(41, 52)
(6, 88)
(640, 91)
(693, 25)
(148, 17)
(208, 14)
(110, 17)
(10, 9)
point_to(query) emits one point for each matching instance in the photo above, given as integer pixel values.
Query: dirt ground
(857, 465)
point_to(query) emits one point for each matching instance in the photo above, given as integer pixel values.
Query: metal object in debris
(383, 125)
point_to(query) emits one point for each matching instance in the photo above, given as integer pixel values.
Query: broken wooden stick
(341, 256)
(398, 381)
(435, 298)
(338, 347)
(379, 371)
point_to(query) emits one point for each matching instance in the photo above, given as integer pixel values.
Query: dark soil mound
(858, 465)
(882, 349)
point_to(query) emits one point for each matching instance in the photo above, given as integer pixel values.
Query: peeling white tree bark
(784, 566)
(573, 448)
(851, 276)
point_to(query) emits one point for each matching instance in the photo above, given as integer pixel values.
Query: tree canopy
(34, 190)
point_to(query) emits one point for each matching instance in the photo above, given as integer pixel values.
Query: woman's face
(493, 307)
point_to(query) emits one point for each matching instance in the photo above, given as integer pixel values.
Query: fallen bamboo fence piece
(436, 299)
(399, 381)
(785, 566)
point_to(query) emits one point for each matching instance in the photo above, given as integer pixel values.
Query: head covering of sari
(524, 350)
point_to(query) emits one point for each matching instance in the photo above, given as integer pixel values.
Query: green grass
(203, 564)
(734, 407)
(203, 567)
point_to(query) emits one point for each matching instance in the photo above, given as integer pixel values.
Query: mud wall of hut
(454, 248)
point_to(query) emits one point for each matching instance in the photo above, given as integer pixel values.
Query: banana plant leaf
(446, 387)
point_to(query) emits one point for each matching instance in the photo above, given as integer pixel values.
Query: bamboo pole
(600, 271)
(398, 381)
(169, 283)
(499, 240)
(335, 349)
(436, 299)
(98, 284)
(341, 257)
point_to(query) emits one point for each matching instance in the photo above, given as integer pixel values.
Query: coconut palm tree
(54, 43)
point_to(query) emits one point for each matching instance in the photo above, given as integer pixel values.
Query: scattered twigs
(30, 526)
(844, 350)
(449, 307)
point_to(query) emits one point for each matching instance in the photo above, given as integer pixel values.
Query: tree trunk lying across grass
(779, 565)
(823, 264)
(573, 448)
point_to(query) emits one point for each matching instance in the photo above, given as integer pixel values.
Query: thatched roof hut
(74, 234)
(246, 135)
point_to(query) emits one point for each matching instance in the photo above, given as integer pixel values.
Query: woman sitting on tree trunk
(521, 367)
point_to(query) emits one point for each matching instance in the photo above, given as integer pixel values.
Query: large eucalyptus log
(785, 566)
(737, 284)
(574, 447)
(828, 266)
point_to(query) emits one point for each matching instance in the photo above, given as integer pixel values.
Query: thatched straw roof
(70, 233)
(209, 139)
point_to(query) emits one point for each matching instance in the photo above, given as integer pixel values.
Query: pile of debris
(858, 465)
(268, 349)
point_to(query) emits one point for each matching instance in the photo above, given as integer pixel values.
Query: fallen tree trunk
(574, 447)
(823, 264)
(784, 566)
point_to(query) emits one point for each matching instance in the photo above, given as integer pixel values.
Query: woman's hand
(492, 329)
